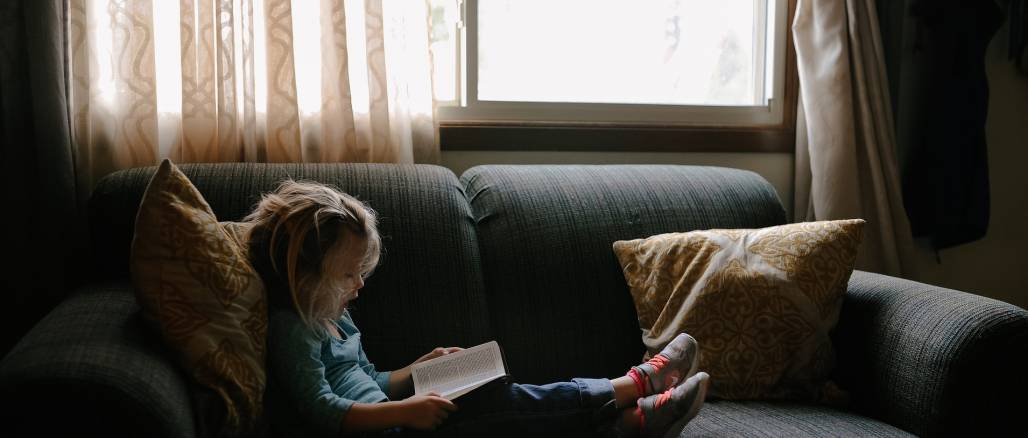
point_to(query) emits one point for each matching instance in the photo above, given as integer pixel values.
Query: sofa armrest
(931, 360)
(91, 368)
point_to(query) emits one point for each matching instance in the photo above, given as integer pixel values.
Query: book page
(455, 374)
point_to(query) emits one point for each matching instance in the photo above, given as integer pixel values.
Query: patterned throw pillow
(761, 303)
(195, 284)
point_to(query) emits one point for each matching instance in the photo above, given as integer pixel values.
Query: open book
(456, 374)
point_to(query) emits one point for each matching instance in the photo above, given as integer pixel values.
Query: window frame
(485, 126)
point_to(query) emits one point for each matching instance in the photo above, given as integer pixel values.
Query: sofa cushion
(427, 290)
(761, 303)
(724, 418)
(555, 289)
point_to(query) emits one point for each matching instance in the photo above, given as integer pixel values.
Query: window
(673, 71)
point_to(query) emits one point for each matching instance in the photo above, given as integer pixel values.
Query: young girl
(314, 247)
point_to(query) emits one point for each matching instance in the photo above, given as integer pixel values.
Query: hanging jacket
(945, 174)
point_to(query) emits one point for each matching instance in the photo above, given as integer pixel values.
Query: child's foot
(675, 363)
(667, 413)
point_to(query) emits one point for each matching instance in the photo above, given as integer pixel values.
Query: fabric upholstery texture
(196, 286)
(931, 360)
(91, 352)
(726, 419)
(554, 287)
(760, 302)
(427, 290)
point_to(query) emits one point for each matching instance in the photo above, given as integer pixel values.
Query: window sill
(599, 137)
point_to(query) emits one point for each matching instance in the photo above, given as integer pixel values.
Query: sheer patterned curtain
(249, 80)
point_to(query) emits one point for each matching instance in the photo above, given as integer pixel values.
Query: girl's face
(343, 270)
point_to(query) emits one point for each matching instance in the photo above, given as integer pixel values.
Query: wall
(997, 265)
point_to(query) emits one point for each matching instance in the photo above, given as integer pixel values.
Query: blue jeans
(581, 407)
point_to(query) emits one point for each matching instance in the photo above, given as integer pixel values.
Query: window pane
(681, 52)
(443, 44)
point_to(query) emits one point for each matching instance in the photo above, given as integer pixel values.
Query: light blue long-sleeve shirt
(318, 380)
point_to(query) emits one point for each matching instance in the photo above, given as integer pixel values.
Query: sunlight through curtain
(249, 80)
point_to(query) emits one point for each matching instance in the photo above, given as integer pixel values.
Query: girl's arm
(294, 357)
(423, 412)
(367, 417)
(400, 383)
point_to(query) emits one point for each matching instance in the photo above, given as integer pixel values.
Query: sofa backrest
(427, 291)
(558, 301)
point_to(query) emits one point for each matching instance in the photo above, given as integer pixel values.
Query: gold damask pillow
(195, 284)
(760, 303)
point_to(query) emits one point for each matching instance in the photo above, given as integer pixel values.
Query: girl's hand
(438, 352)
(426, 412)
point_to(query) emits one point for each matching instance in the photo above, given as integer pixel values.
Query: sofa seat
(723, 418)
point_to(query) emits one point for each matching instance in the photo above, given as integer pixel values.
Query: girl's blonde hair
(294, 228)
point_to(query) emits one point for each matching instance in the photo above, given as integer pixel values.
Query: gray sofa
(522, 254)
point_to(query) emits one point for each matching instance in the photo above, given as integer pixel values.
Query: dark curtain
(935, 57)
(45, 230)
(1017, 39)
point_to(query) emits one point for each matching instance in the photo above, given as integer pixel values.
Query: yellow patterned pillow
(761, 303)
(196, 285)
